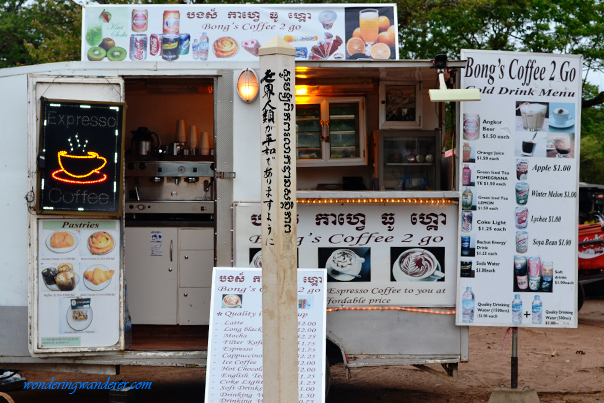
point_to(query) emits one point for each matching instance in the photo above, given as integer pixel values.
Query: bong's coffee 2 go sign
(80, 157)
(392, 254)
(520, 174)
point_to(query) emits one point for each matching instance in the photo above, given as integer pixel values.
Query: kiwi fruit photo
(107, 44)
(96, 54)
(116, 54)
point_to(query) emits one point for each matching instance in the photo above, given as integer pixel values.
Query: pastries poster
(236, 32)
(78, 284)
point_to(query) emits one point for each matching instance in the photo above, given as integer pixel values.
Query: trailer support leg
(514, 383)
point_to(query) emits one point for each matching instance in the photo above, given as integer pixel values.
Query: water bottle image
(204, 46)
(195, 49)
(467, 304)
(537, 310)
(517, 310)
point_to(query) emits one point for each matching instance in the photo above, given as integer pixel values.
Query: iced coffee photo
(561, 145)
(530, 144)
(532, 116)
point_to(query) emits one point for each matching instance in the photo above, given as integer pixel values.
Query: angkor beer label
(80, 165)
(471, 126)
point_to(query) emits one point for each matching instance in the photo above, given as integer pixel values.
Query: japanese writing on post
(268, 149)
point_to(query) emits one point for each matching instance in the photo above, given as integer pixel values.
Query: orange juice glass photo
(369, 23)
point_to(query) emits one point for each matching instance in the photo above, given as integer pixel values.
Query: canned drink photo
(466, 268)
(521, 217)
(471, 126)
(466, 221)
(465, 245)
(185, 40)
(521, 169)
(534, 273)
(522, 193)
(138, 47)
(171, 22)
(170, 47)
(547, 276)
(521, 241)
(140, 20)
(155, 41)
(520, 271)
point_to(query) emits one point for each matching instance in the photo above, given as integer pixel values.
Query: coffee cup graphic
(81, 166)
(82, 169)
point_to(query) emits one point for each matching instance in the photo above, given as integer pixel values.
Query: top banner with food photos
(236, 32)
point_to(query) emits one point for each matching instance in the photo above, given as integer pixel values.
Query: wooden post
(279, 217)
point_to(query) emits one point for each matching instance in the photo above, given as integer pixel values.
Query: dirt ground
(575, 373)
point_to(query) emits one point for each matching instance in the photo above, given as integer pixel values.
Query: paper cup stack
(192, 140)
(181, 134)
(205, 143)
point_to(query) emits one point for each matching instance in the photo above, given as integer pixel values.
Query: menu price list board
(390, 254)
(78, 283)
(234, 367)
(80, 157)
(519, 172)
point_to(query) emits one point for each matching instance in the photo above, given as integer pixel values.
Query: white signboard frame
(380, 236)
(234, 367)
(519, 171)
(80, 310)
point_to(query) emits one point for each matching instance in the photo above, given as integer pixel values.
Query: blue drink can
(185, 40)
(465, 245)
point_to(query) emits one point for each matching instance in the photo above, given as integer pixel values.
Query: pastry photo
(60, 278)
(100, 243)
(97, 277)
(62, 241)
(79, 319)
(225, 47)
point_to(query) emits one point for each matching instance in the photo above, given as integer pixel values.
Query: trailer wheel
(327, 377)
(581, 297)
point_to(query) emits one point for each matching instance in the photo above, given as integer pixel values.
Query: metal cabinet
(169, 274)
(151, 269)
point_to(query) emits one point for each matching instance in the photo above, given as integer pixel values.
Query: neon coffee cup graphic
(80, 168)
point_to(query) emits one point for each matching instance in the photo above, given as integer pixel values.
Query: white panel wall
(13, 185)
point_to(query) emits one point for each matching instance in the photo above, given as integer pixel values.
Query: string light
(395, 308)
(417, 200)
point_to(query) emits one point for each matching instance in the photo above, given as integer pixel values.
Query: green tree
(430, 27)
(592, 139)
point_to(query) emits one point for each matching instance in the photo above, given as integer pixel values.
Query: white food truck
(126, 182)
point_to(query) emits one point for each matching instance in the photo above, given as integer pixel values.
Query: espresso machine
(173, 188)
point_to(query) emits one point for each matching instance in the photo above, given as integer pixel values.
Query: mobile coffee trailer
(371, 190)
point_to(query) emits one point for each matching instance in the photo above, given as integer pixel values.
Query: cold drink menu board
(519, 171)
(234, 368)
